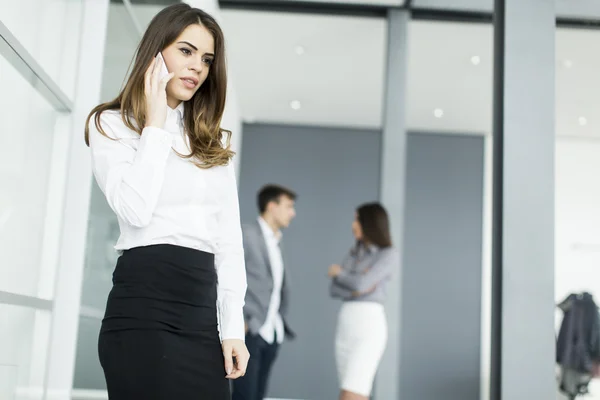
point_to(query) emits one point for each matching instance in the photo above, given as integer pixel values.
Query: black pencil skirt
(159, 337)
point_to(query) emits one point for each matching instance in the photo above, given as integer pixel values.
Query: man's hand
(235, 348)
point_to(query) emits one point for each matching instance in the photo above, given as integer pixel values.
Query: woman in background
(173, 327)
(360, 281)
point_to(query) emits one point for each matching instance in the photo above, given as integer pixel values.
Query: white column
(63, 337)
(523, 342)
(232, 118)
(393, 177)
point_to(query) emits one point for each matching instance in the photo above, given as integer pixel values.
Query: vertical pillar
(522, 362)
(393, 166)
(65, 316)
(232, 117)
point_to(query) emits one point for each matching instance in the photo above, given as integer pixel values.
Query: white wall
(31, 134)
(577, 233)
(43, 171)
(578, 222)
(577, 216)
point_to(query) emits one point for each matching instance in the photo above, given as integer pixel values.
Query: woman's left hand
(334, 270)
(235, 348)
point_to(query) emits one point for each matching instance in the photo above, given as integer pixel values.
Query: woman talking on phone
(173, 326)
(360, 281)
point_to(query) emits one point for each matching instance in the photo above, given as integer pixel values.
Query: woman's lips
(189, 83)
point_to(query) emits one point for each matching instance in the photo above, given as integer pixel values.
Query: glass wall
(40, 43)
(50, 32)
(27, 158)
(103, 229)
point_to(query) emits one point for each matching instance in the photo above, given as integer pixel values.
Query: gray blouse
(365, 272)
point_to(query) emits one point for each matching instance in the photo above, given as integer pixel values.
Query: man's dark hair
(269, 193)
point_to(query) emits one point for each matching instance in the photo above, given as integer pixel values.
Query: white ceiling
(577, 82)
(459, 5)
(581, 9)
(339, 78)
(442, 76)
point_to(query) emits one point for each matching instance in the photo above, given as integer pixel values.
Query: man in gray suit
(267, 295)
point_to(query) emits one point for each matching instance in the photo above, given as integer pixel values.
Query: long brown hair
(373, 219)
(203, 112)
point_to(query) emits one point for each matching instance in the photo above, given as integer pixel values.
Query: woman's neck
(173, 103)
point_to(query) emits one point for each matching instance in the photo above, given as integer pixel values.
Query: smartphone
(163, 67)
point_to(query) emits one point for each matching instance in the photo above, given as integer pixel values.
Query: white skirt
(360, 340)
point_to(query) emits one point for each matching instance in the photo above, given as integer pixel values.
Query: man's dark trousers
(253, 385)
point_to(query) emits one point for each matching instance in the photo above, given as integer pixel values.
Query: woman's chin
(183, 94)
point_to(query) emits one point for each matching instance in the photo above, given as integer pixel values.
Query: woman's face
(190, 58)
(356, 228)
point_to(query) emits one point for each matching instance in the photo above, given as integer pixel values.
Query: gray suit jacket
(260, 281)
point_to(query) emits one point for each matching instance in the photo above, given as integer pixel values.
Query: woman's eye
(208, 61)
(186, 51)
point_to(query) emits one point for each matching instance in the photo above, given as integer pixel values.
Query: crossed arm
(346, 284)
(338, 291)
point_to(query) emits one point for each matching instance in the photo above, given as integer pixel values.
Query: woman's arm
(230, 264)
(335, 289)
(340, 292)
(130, 179)
(378, 272)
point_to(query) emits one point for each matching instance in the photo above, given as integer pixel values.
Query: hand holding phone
(155, 88)
(163, 66)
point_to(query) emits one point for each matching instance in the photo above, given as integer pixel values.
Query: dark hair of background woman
(373, 219)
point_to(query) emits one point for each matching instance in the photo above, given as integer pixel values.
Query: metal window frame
(21, 300)
(134, 20)
(18, 56)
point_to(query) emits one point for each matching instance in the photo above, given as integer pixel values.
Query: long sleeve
(380, 271)
(230, 264)
(335, 289)
(340, 292)
(130, 178)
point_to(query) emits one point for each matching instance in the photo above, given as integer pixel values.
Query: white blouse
(161, 198)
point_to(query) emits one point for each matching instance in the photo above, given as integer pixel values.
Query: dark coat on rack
(578, 344)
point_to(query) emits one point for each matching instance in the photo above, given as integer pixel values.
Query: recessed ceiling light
(438, 113)
(299, 50)
(295, 104)
(567, 63)
(582, 121)
(475, 60)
